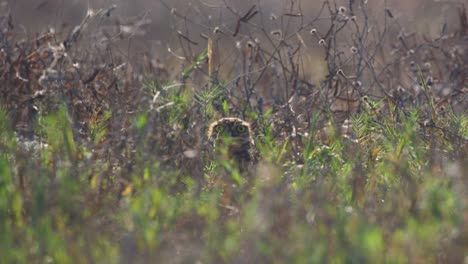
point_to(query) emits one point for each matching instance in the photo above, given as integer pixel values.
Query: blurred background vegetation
(358, 111)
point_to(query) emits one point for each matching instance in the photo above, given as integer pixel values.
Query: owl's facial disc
(233, 137)
(232, 133)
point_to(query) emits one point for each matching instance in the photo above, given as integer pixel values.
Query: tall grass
(110, 163)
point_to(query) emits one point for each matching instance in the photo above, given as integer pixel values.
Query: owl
(231, 139)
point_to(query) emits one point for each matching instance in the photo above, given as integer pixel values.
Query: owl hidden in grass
(231, 139)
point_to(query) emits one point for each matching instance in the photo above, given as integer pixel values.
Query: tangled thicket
(363, 162)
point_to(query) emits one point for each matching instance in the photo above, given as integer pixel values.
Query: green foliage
(139, 184)
(198, 60)
(55, 214)
(57, 129)
(98, 126)
(205, 99)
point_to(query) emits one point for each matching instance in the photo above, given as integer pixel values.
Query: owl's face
(230, 132)
(230, 129)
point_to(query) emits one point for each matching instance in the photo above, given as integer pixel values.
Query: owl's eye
(218, 129)
(241, 129)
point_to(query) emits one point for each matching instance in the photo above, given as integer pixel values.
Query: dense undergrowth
(103, 159)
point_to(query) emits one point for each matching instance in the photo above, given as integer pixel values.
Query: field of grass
(360, 125)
